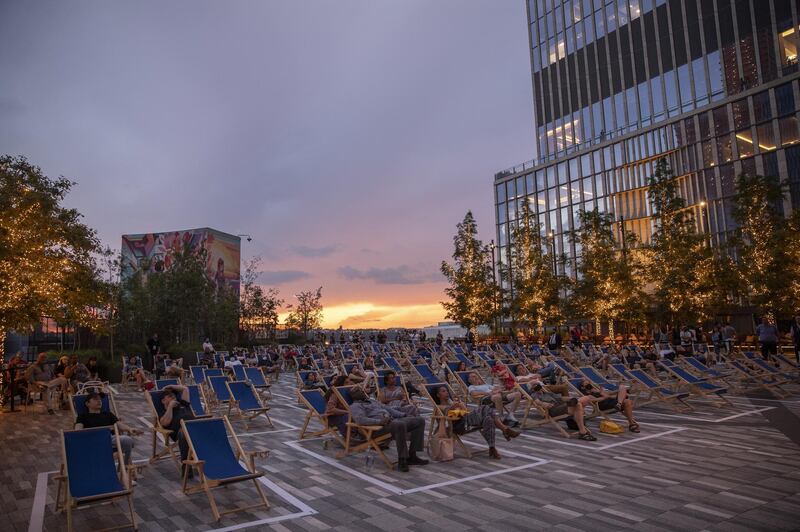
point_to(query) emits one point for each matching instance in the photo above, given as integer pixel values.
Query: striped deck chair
(367, 431)
(162, 383)
(89, 473)
(169, 449)
(697, 385)
(314, 400)
(246, 401)
(216, 461)
(198, 373)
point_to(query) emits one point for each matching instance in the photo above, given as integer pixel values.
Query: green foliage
(47, 255)
(472, 290)
(680, 260)
(766, 245)
(535, 298)
(307, 315)
(609, 285)
(259, 306)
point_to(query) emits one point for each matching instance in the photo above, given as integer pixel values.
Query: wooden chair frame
(367, 431)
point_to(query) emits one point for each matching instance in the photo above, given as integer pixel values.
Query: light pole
(552, 239)
(704, 214)
(622, 233)
(492, 247)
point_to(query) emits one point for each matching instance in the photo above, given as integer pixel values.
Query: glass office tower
(617, 84)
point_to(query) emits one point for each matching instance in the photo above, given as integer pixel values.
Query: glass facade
(709, 84)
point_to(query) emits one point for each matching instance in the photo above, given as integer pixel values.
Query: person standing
(554, 342)
(729, 337)
(154, 348)
(796, 338)
(767, 338)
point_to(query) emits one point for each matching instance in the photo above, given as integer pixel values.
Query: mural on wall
(153, 252)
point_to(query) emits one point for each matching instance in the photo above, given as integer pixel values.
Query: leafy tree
(259, 306)
(307, 315)
(472, 291)
(680, 258)
(48, 256)
(766, 245)
(535, 298)
(609, 285)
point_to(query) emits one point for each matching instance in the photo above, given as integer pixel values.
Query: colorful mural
(153, 252)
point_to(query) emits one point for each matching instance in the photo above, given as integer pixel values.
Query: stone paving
(730, 468)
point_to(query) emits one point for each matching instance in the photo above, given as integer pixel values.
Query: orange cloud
(366, 315)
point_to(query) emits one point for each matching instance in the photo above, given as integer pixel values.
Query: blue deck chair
(426, 374)
(595, 378)
(462, 378)
(766, 382)
(221, 392)
(438, 416)
(794, 370)
(765, 366)
(211, 453)
(566, 367)
(89, 472)
(197, 398)
(371, 441)
(163, 383)
(705, 370)
(314, 400)
(246, 401)
(198, 375)
(392, 363)
(212, 372)
(169, 450)
(698, 386)
(239, 373)
(656, 390)
(452, 366)
(465, 359)
(257, 379)
(77, 404)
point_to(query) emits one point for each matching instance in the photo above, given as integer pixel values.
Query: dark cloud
(282, 276)
(308, 251)
(402, 274)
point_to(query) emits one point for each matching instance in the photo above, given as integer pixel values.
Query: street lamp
(492, 247)
(552, 238)
(622, 233)
(706, 221)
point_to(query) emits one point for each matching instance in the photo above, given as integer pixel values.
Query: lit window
(788, 45)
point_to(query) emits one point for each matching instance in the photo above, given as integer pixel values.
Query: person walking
(795, 331)
(767, 338)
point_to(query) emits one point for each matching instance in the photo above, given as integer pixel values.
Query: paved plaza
(729, 468)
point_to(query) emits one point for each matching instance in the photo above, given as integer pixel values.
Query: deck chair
(704, 370)
(212, 372)
(89, 473)
(100, 385)
(461, 357)
(426, 374)
(314, 400)
(169, 446)
(198, 400)
(438, 416)
(657, 391)
(257, 379)
(568, 369)
(198, 373)
(595, 378)
(244, 398)
(766, 367)
(697, 385)
(239, 373)
(392, 364)
(795, 369)
(367, 431)
(765, 382)
(163, 383)
(531, 404)
(217, 462)
(77, 404)
(220, 392)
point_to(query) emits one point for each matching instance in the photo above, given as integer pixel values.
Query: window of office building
(787, 43)
(766, 137)
(790, 133)
(744, 143)
(784, 98)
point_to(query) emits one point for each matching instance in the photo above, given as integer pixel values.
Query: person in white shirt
(496, 394)
(207, 347)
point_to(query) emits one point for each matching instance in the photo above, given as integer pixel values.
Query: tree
(472, 291)
(259, 307)
(609, 285)
(535, 298)
(307, 315)
(766, 245)
(48, 257)
(681, 260)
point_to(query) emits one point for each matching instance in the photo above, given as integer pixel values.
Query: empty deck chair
(246, 401)
(697, 385)
(704, 370)
(426, 374)
(793, 368)
(257, 379)
(766, 367)
(595, 378)
(392, 364)
(314, 400)
(371, 441)
(239, 373)
(89, 473)
(219, 391)
(657, 391)
(198, 400)
(162, 383)
(217, 462)
(766, 382)
(198, 375)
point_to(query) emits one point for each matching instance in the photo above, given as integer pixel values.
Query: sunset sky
(348, 138)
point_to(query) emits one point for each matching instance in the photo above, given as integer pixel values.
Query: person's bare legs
(497, 399)
(514, 397)
(577, 414)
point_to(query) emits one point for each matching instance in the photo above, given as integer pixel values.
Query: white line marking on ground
(561, 510)
(39, 501)
(661, 480)
(590, 484)
(709, 511)
(624, 515)
(742, 497)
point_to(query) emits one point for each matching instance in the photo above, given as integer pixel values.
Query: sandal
(510, 433)
(634, 427)
(587, 436)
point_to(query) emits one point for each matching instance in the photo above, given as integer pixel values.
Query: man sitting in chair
(95, 417)
(41, 377)
(177, 406)
(408, 432)
(558, 405)
(610, 400)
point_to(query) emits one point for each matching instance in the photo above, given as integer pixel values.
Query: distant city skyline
(348, 139)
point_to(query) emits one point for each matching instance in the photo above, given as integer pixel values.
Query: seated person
(76, 372)
(408, 431)
(483, 417)
(327, 368)
(41, 379)
(609, 400)
(312, 381)
(94, 369)
(304, 364)
(61, 367)
(173, 370)
(496, 395)
(334, 410)
(250, 359)
(231, 361)
(558, 405)
(95, 417)
(208, 359)
(133, 371)
(176, 401)
(394, 396)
